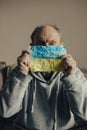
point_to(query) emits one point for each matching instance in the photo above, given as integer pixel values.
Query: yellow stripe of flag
(45, 65)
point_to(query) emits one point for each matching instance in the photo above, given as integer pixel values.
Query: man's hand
(23, 62)
(68, 64)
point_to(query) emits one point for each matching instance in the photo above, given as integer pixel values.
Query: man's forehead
(48, 29)
(48, 32)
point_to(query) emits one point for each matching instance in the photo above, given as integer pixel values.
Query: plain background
(18, 18)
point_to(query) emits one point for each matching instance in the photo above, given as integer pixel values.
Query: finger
(68, 71)
(70, 62)
(23, 56)
(23, 60)
(23, 68)
(66, 56)
(64, 65)
(24, 63)
(26, 52)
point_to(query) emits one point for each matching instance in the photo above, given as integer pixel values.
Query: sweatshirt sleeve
(76, 86)
(11, 97)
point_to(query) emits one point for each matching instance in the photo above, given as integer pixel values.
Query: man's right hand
(23, 62)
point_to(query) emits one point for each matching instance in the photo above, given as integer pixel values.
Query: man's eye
(53, 43)
(41, 43)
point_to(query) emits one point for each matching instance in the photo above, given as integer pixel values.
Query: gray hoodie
(44, 105)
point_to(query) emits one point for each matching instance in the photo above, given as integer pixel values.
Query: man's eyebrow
(53, 41)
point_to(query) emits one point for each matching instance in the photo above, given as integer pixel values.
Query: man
(46, 101)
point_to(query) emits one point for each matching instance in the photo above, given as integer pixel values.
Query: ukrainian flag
(46, 58)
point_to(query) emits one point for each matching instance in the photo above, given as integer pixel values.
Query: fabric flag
(52, 52)
(46, 58)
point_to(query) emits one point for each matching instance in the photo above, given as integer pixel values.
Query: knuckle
(25, 52)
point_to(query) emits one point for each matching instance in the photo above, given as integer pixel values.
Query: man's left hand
(68, 64)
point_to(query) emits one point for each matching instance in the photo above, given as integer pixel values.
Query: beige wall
(19, 17)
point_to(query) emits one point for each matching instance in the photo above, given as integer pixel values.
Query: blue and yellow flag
(46, 58)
